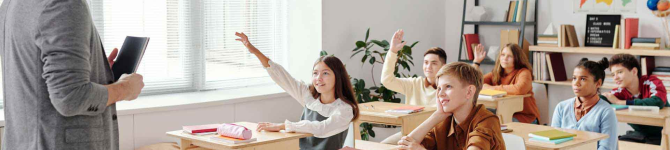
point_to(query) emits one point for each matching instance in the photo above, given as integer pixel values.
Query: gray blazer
(54, 68)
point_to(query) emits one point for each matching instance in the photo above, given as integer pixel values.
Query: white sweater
(339, 113)
(414, 89)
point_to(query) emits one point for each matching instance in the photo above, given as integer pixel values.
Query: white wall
(345, 22)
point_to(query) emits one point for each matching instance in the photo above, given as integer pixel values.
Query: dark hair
(343, 88)
(520, 61)
(626, 60)
(439, 52)
(597, 69)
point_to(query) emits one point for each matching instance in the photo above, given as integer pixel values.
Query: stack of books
(229, 140)
(550, 40)
(551, 136)
(662, 73)
(492, 93)
(514, 12)
(406, 109)
(646, 43)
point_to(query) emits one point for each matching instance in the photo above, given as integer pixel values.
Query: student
(418, 91)
(587, 111)
(329, 103)
(512, 74)
(637, 89)
(458, 123)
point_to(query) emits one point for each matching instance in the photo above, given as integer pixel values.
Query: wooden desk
(378, 115)
(367, 145)
(505, 106)
(660, 119)
(265, 140)
(583, 141)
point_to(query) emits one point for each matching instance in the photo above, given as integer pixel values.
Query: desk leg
(185, 144)
(506, 109)
(357, 131)
(665, 139)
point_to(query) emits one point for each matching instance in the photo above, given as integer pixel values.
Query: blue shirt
(601, 119)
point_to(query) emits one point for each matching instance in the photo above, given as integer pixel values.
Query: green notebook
(551, 134)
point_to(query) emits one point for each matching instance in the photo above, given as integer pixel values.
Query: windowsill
(191, 100)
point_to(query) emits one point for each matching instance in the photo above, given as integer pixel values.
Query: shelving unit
(520, 25)
(595, 50)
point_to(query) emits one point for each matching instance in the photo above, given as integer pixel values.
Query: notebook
(406, 109)
(129, 56)
(201, 129)
(551, 134)
(230, 140)
(493, 93)
(619, 107)
(552, 142)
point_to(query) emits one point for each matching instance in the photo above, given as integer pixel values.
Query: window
(192, 44)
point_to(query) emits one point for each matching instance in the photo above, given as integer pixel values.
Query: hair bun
(584, 59)
(604, 63)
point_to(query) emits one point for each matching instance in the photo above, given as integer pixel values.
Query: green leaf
(364, 58)
(360, 44)
(374, 99)
(324, 53)
(386, 43)
(372, 60)
(410, 61)
(355, 49)
(417, 42)
(367, 34)
(380, 43)
(407, 50)
(404, 65)
(352, 55)
(371, 132)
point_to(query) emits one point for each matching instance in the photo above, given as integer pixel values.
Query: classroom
(334, 74)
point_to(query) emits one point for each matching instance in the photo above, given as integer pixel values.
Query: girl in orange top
(512, 74)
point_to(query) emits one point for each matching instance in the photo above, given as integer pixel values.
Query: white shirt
(339, 113)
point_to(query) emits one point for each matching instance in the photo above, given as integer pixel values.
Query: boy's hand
(396, 42)
(614, 99)
(439, 113)
(407, 143)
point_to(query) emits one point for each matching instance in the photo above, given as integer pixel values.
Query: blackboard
(600, 30)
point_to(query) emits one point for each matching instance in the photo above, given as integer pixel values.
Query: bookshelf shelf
(568, 83)
(497, 23)
(600, 50)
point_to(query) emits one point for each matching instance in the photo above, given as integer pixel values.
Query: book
(646, 40)
(556, 67)
(572, 36)
(615, 43)
(619, 107)
(600, 30)
(129, 56)
(406, 109)
(635, 108)
(662, 69)
(520, 10)
(647, 64)
(196, 129)
(552, 142)
(652, 45)
(230, 140)
(510, 11)
(516, 8)
(551, 134)
(492, 93)
(471, 39)
(631, 31)
(622, 34)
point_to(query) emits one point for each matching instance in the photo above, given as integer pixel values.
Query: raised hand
(245, 40)
(396, 42)
(480, 54)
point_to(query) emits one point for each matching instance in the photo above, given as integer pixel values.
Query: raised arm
(400, 85)
(480, 54)
(297, 89)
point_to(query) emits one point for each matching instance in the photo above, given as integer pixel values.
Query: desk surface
(367, 145)
(662, 113)
(378, 109)
(645, 118)
(583, 137)
(262, 137)
(506, 97)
